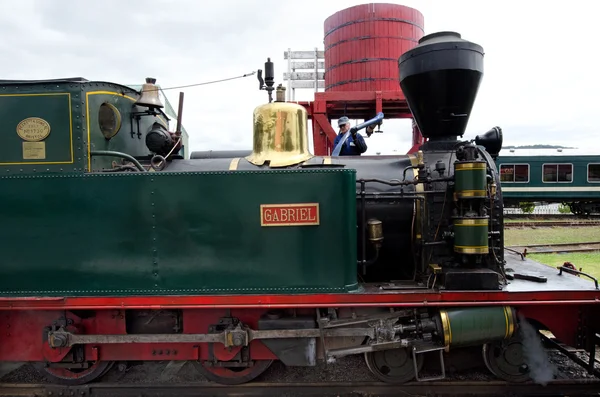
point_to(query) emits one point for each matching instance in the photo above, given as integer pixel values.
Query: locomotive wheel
(393, 365)
(75, 376)
(233, 375)
(506, 360)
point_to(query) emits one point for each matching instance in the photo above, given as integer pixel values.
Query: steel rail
(579, 387)
(556, 247)
(551, 216)
(510, 225)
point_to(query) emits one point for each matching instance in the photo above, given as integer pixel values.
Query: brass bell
(280, 133)
(149, 97)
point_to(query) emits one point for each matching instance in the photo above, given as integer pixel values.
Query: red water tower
(362, 47)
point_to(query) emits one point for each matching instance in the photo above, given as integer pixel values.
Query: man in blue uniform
(355, 144)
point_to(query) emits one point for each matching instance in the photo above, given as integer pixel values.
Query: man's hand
(370, 130)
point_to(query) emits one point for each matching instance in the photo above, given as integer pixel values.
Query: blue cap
(343, 120)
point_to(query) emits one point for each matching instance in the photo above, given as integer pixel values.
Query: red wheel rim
(76, 376)
(233, 376)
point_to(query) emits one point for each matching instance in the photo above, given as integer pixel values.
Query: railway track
(556, 248)
(508, 224)
(552, 216)
(579, 387)
(558, 370)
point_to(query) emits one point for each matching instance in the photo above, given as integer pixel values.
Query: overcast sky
(541, 60)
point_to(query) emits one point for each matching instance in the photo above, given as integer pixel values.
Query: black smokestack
(440, 78)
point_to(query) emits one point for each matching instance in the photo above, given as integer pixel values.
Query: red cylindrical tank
(363, 44)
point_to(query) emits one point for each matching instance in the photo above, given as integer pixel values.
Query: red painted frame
(355, 105)
(412, 299)
(23, 319)
(22, 339)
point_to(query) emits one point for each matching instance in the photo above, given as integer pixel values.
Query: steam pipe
(408, 168)
(375, 120)
(364, 225)
(407, 183)
(126, 156)
(179, 114)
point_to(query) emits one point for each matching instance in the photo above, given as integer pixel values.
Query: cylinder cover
(476, 325)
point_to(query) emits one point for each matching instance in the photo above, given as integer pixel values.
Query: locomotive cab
(74, 125)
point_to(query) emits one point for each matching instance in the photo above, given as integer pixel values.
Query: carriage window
(593, 172)
(558, 173)
(514, 173)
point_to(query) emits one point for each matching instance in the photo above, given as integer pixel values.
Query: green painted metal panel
(71, 111)
(30, 110)
(175, 234)
(124, 141)
(131, 136)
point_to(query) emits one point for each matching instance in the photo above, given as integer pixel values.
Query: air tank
(363, 44)
(440, 78)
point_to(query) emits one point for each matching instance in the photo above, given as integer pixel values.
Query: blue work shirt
(350, 148)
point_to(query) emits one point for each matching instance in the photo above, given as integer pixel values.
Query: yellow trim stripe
(234, 164)
(110, 93)
(445, 328)
(471, 222)
(48, 94)
(471, 249)
(471, 246)
(413, 159)
(418, 189)
(470, 166)
(511, 326)
(506, 322)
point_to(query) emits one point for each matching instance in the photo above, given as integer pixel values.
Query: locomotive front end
(462, 246)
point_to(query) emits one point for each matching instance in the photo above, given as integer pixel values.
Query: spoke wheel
(394, 365)
(506, 360)
(75, 376)
(233, 375)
